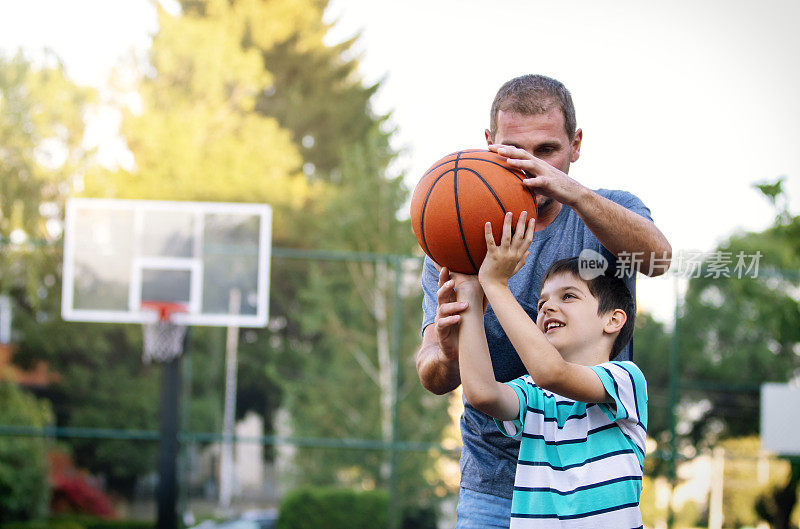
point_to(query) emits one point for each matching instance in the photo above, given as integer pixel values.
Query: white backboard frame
(780, 418)
(139, 209)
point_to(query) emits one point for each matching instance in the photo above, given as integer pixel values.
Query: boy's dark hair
(611, 293)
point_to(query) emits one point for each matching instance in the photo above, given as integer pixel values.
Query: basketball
(456, 197)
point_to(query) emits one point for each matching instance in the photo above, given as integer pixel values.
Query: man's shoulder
(627, 200)
(616, 194)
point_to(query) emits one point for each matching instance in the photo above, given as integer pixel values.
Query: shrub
(120, 524)
(43, 524)
(328, 508)
(74, 492)
(79, 522)
(419, 517)
(24, 491)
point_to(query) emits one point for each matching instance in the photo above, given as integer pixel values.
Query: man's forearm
(436, 373)
(621, 230)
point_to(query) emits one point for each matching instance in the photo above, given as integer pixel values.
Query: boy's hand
(504, 261)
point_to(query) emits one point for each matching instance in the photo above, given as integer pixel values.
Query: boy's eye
(568, 295)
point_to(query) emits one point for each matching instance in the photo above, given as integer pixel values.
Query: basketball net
(163, 338)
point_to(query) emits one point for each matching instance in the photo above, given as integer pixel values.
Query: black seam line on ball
(520, 178)
(425, 206)
(436, 167)
(458, 214)
(482, 179)
(452, 160)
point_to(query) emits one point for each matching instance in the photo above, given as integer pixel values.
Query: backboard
(121, 253)
(780, 418)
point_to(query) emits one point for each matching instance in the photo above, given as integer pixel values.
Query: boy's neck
(588, 356)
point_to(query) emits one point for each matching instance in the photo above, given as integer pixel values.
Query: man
(532, 125)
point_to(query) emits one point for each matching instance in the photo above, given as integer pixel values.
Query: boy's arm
(543, 361)
(480, 388)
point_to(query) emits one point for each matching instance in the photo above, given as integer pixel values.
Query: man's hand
(437, 358)
(619, 229)
(448, 315)
(544, 179)
(504, 261)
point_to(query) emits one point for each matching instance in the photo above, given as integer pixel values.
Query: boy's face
(568, 315)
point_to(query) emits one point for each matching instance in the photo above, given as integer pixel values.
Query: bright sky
(684, 103)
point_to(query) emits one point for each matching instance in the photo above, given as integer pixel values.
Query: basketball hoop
(163, 338)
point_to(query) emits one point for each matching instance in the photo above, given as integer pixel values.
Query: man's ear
(575, 147)
(615, 320)
(488, 134)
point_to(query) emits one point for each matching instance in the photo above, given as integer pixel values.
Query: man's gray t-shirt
(488, 458)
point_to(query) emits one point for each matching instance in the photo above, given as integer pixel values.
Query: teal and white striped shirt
(580, 465)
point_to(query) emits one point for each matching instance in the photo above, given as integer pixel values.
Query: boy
(582, 417)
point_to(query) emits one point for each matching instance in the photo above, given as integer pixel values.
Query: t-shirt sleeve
(631, 202)
(514, 428)
(625, 384)
(430, 284)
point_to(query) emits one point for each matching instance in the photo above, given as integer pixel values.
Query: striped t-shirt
(580, 465)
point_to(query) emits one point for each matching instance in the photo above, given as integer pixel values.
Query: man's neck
(547, 214)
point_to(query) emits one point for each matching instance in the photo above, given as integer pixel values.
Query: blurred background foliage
(242, 100)
(238, 101)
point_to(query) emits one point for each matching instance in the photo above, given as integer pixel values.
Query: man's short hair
(532, 95)
(611, 293)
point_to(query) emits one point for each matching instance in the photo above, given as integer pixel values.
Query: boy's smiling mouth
(552, 323)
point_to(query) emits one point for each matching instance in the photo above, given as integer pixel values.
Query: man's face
(567, 314)
(542, 135)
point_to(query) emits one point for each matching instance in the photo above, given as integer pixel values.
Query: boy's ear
(615, 320)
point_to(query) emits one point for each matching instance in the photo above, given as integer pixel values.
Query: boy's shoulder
(626, 365)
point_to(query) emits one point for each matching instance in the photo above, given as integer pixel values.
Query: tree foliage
(651, 354)
(197, 135)
(742, 332)
(41, 159)
(24, 491)
(243, 101)
(734, 333)
(346, 318)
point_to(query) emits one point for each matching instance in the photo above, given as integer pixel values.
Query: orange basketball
(457, 196)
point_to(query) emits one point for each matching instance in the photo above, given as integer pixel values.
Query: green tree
(737, 333)
(44, 161)
(41, 160)
(24, 491)
(652, 343)
(197, 135)
(101, 380)
(741, 332)
(346, 318)
(331, 321)
(242, 101)
(194, 136)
